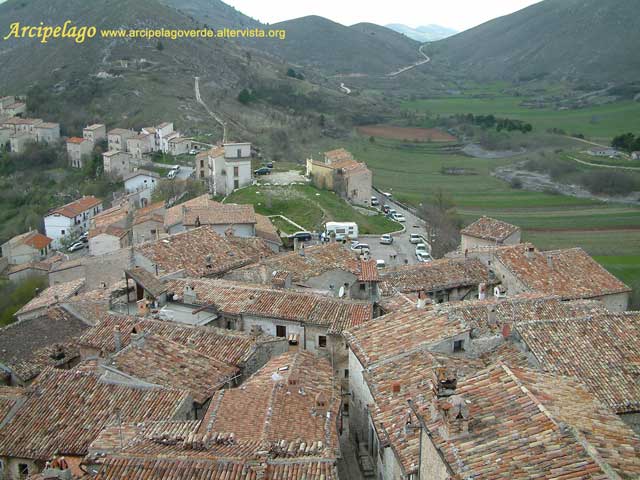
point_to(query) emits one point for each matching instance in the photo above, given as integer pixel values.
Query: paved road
(618, 167)
(413, 65)
(184, 172)
(345, 89)
(402, 248)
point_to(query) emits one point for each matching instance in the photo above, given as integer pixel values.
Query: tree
(443, 224)
(246, 96)
(624, 142)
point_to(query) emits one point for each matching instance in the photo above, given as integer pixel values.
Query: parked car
(374, 202)
(386, 239)
(398, 217)
(269, 165)
(380, 263)
(172, 174)
(387, 194)
(76, 246)
(360, 247)
(423, 257)
(416, 238)
(386, 208)
(262, 171)
(176, 168)
(301, 236)
(422, 247)
(193, 152)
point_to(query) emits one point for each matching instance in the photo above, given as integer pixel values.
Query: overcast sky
(457, 14)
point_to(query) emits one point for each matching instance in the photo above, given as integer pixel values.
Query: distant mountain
(425, 33)
(335, 49)
(136, 82)
(569, 39)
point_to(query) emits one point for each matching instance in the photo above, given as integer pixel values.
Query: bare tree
(443, 225)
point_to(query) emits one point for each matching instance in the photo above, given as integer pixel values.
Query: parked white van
(342, 230)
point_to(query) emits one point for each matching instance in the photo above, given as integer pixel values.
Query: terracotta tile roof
(76, 140)
(399, 301)
(202, 252)
(317, 260)
(436, 275)
(368, 271)
(570, 273)
(490, 315)
(338, 154)
(120, 131)
(132, 468)
(413, 374)
(227, 346)
(53, 295)
(238, 298)
(28, 346)
(65, 410)
(490, 229)
(209, 212)
(77, 207)
(111, 216)
(524, 424)
(91, 306)
(293, 401)
(266, 230)
(601, 350)
(399, 332)
(163, 362)
(147, 280)
(32, 238)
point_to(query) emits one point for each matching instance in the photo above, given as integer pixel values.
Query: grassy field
(598, 123)
(308, 207)
(414, 172)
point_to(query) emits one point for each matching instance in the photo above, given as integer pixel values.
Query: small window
(62, 232)
(346, 373)
(458, 346)
(239, 152)
(281, 331)
(153, 231)
(363, 287)
(236, 184)
(236, 171)
(322, 341)
(23, 470)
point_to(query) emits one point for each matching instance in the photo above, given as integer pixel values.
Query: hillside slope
(132, 83)
(573, 39)
(335, 49)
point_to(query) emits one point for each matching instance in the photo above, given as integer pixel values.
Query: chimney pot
(117, 338)
(549, 261)
(422, 299)
(396, 387)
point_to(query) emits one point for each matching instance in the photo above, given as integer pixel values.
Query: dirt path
(617, 167)
(345, 89)
(209, 111)
(413, 65)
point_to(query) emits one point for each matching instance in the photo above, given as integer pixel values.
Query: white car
(176, 168)
(172, 174)
(387, 194)
(398, 217)
(416, 238)
(193, 152)
(380, 263)
(423, 257)
(422, 247)
(76, 246)
(386, 239)
(360, 247)
(374, 202)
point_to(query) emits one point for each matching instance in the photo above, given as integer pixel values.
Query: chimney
(506, 330)
(189, 294)
(208, 260)
(117, 338)
(491, 315)
(423, 298)
(445, 382)
(549, 261)
(320, 407)
(482, 291)
(530, 251)
(143, 307)
(295, 244)
(455, 417)
(396, 388)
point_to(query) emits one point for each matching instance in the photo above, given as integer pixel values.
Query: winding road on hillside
(345, 89)
(600, 165)
(209, 111)
(413, 65)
